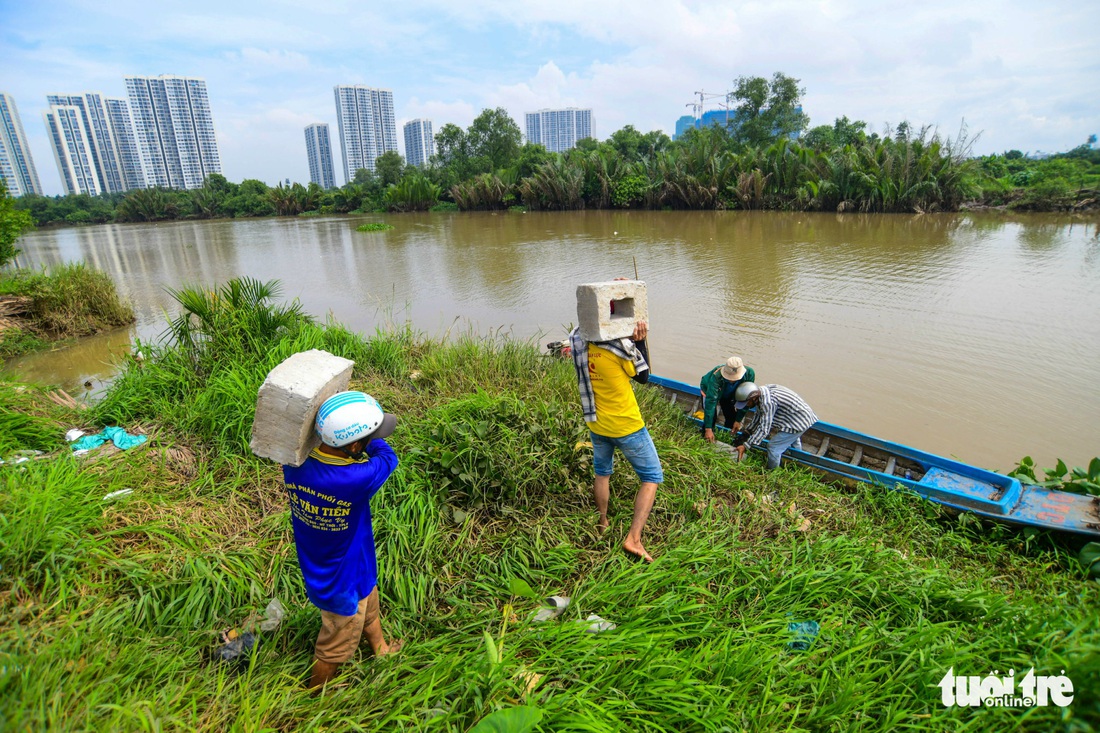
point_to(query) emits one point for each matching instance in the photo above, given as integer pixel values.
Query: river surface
(975, 336)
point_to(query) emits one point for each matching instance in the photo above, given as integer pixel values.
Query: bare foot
(392, 648)
(602, 525)
(636, 549)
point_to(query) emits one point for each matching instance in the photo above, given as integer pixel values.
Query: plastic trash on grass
(273, 615)
(805, 632)
(597, 624)
(235, 644)
(554, 608)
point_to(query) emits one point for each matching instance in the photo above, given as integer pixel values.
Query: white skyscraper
(93, 143)
(16, 165)
(175, 130)
(319, 151)
(72, 149)
(419, 143)
(558, 130)
(126, 147)
(367, 128)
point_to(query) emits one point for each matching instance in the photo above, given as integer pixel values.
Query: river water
(975, 336)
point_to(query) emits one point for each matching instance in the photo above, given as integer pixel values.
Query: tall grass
(487, 191)
(110, 607)
(68, 301)
(411, 193)
(27, 420)
(912, 172)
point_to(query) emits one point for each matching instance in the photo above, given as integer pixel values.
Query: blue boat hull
(859, 457)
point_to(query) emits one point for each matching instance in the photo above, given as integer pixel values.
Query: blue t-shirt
(330, 511)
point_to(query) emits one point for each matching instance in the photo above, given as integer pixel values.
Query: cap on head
(744, 391)
(350, 416)
(733, 369)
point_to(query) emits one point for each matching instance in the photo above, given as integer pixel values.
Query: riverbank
(834, 306)
(912, 171)
(109, 606)
(38, 309)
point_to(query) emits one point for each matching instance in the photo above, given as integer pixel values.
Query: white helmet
(350, 416)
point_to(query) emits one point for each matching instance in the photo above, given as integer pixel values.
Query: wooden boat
(847, 454)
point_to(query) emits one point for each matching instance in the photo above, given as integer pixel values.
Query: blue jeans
(778, 445)
(638, 449)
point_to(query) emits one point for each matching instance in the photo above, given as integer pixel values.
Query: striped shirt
(782, 409)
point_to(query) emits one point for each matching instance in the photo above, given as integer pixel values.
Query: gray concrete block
(287, 404)
(594, 316)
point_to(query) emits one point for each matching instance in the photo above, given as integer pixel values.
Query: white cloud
(270, 62)
(1020, 72)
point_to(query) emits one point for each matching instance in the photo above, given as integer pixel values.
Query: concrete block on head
(287, 404)
(594, 309)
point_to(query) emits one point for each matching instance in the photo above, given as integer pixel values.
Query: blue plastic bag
(116, 435)
(805, 633)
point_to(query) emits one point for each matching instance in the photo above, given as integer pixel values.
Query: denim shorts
(638, 449)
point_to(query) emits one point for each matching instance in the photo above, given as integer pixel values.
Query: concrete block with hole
(594, 309)
(287, 404)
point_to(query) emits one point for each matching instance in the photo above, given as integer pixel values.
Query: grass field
(109, 609)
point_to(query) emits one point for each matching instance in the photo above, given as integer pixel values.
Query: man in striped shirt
(780, 408)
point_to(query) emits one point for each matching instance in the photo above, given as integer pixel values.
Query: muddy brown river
(975, 336)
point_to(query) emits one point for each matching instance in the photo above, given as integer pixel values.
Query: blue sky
(1023, 74)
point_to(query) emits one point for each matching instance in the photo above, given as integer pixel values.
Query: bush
(73, 300)
(497, 450)
(413, 193)
(1049, 194)
(13, 222)
(629, 192)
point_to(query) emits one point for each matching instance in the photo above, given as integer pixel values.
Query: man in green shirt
(717, 387)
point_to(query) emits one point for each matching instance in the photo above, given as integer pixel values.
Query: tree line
(766, 158)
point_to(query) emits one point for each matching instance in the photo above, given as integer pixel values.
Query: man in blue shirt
(329, 498)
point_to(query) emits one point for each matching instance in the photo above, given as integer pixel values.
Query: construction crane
(704, 96)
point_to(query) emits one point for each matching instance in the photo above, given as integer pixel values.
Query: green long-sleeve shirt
(714, 385)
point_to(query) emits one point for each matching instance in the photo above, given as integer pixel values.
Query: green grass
(16, 341)
(66, 302)
(108, 608)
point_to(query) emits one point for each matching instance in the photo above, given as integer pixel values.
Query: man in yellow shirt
(604, 372)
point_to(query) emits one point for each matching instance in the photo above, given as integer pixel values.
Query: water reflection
(931, 330)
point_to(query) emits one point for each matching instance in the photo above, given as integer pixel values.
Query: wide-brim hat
(733, 369)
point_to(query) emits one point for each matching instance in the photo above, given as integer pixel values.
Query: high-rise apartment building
(72, 149)
(685, 123)
(93, 143)
(367, 128)
(319, 150)
(729, 119)
(175, 130)
(419, 143)
(558, 130)
(126, 147)
(16, 165)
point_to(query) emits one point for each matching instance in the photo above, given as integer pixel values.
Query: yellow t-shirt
(617, 412)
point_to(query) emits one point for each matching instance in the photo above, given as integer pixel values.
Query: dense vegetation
(110, 607)
(13, 222)
(37, 308)
(768, 158)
